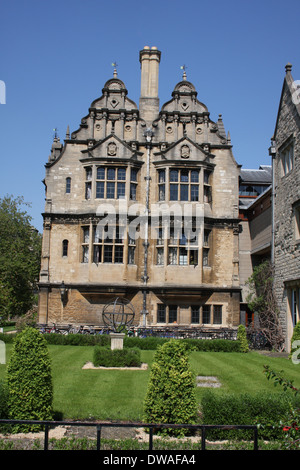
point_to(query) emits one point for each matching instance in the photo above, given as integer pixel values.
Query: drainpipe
(148, 134)
(272, 153)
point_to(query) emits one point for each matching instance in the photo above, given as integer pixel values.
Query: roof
(259, 176)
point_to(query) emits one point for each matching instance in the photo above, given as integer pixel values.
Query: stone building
(142, 203)
(255, 241)
(285, 151)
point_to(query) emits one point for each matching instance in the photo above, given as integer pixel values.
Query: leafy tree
(20, 254)
(171, 396)
(262, 300)
(29, 379)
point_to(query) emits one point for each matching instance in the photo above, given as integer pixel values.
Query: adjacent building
(285, 151)
(142, 203)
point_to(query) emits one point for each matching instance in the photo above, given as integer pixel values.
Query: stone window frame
(164, 313)
(286, 156)
(124, 187)
(296, 221)
(108, 250)
(165, 185)
(213, 315)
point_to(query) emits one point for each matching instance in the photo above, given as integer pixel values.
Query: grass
(119, 395)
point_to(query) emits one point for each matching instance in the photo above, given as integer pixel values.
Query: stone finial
(288, 67)
(68, 133)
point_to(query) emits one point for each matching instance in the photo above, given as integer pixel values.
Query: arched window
(68, 185)
(65, 245)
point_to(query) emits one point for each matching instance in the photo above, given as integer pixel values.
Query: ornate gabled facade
(285, 151)
(142, 203)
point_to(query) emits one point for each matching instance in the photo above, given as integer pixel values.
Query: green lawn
(119, 395)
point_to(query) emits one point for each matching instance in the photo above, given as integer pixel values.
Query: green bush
(263, 409)
(295, 337)
(29, 379)
(104, 357)
(242, 339)
(171, 395)
(152, 343)
(77, 339)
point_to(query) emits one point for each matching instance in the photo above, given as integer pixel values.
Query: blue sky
(56, 57)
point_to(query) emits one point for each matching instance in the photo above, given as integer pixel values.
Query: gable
(183, 150)
(111, 148)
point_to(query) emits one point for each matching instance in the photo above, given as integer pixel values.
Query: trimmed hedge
(152, 343)
(264, 409)
(117, 357)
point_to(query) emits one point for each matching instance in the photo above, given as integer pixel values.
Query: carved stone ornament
(112, 149)
(185, 151)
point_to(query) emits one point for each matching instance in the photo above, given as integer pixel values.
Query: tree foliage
(262, 300)
(20, 254)
(171, 396)
(29, 379)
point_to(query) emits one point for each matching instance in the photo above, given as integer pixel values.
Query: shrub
(116, 358)
(242, 339)
(171, 397)
(29, 379)
(261, 408)
(295, 337)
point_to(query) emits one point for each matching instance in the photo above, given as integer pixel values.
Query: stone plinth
(116, 340)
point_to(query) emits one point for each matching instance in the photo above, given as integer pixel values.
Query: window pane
(110, 173)
(88, 173)
(160, 256)
(183, 256)
(205, 256)
(173, 175)
(184, 192)
(121, 173)
(194, 176)
(161, 190)
(172, 255)
(100, 173)
(121, 190)
(68, 185)
(174, 192)
(107, 254)
(194, 192)
(161, 176)
(133, 191)
(161, 313)
(86, 234)
(131, 250)
(65, 244)
(110, 190)
(97, 254)
(100, 189)
(88, 190)
(217, 314)
(85, 254)
(206, 314)
(195, 314)
(133, 174)
(184, 176)
(118, 254)
(194, 257)
(172, 313)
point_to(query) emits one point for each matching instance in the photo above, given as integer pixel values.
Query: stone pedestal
(116, 340)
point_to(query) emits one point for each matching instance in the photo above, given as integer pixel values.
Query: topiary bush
(171, 393)
(296, 337)
(104, 357)
(29, 380)
(242, 339)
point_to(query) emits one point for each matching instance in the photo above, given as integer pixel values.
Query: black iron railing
(151, 427)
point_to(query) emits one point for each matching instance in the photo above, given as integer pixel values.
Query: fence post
(150, 438)
(46, 437)
(98, 437)
(202, 438)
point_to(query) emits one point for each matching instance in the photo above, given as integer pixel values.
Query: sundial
(118, 313)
